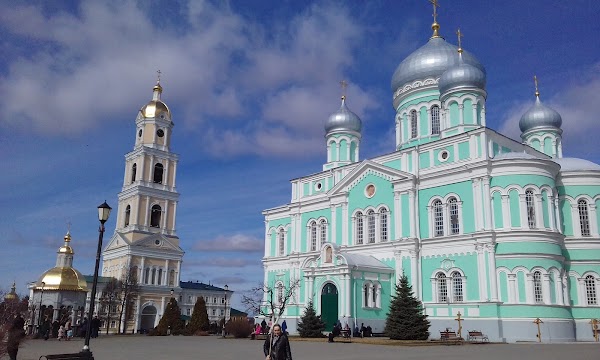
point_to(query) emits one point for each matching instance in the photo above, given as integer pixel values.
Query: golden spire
(537, 92)
(344, 85)
(459, 34)
(435, 26)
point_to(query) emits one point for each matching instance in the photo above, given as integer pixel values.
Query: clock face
(160, 133)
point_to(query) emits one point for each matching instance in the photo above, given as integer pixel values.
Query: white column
(575, 220)
(163, 218)
(267, 240)
(461, 114)
(481, 272)
(551, 219)
(166, 174)
(146, 217)
(565, 290)
(348, 294)
(546, 288)
(477, 204)
(558, 289)
(492, 272)
(378, 297)
(177, 276)
(142, 270)
(397, 217)
(557, 214)
(483, 115)
(333, 226)
(126, 177)
(311, 280)
(398, 139)
(593, 220)
(298, 235)
(138, 314)
(506, 221)
(166, 274)
(292, 233)
(414, 274)
(397, 268)
(581, 295)
(512, 288)
(174, 215)
(162, 306)
(487, 202)
(411, 211)
(142, 174)
(345, 240)
(523, 210)
(539, 214)
(529, 289)
(174, 172)
(474, 113)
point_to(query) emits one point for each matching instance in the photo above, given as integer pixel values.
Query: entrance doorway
(329, 306)
(148, 318)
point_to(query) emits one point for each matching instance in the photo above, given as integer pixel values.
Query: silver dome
(539, 115)
(430, 61)
(462, 75)
(343, 119)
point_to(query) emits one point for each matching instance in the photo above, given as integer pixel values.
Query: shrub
(239, 328)
(199, 321)
(311, 325)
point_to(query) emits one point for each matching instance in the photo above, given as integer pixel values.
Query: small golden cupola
(63, 276)
(156, 108)
(12, 295)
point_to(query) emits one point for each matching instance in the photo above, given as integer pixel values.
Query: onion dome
(575, 164)
(462, 76)
(12, 295)
(430, 61)
(66, 248)
(539, 116)
(155, 108)
(343, 119)
(62, 278)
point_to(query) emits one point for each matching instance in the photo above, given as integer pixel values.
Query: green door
(329, 306)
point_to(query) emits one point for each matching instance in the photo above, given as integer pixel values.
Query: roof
(515, 155)
(199, 286)
(101, 279)
(363, 261)
(575, 164)
(237, 313)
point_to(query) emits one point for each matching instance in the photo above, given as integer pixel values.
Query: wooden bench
(477, 336)
(450, 337)
(346, 336)
(76, 356)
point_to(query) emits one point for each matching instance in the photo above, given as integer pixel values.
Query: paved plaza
(212, 347)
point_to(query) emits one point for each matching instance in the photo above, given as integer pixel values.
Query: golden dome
(62, 278)
(156, 107)
(66, 248)
(12, 295)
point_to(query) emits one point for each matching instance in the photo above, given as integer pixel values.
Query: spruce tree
(171, 319)
(406, 320)
(199, 321)
(310, 324)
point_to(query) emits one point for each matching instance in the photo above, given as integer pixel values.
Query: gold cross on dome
(459, 34)
(435, 6)
(344, 85)
(158, 72)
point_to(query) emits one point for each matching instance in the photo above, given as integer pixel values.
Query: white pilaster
(345, 240)
(493, 276)
(333, 227)
(506, 221)
(512, 288)
(546, 288)
(411, 211)
(481, 272)
(397, 217)
(487, 202)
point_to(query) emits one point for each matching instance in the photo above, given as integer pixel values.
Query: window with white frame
(383, 224)
(413, 124)
(359, 228)
(280, 293)
(323, 228)
(457, 287)
(214, 312)
(590, 290)
(442, 287)
(366, 288)
(281, 242)
(435, 120)
(538, 295)
(313, 235)
(529, 201)
(453, 210)
(375, 296)
(584, 218)
(371, 225)
(438, 216)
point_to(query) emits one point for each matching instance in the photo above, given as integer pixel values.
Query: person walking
(15, 334)
(277, 345)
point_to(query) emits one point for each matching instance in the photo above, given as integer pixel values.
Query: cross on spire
(459, 34)
(435, 6)
(535, 81)
(69, 226)
(158, 72)
(344, 85)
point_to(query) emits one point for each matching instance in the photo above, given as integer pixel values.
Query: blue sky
(250, 85)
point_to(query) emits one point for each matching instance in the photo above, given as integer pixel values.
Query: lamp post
(103, 212)
(40, 310)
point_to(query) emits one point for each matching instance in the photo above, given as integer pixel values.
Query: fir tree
(199, 321)
(406, 320)
(171, 319)
(310, 324)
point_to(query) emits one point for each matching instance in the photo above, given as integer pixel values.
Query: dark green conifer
(406, 320)
(171, 322)
(311, 325)
(199, 320)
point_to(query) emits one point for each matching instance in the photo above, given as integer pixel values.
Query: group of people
(364, 331)
(66, 330)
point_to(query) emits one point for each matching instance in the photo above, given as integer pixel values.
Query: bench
(346, 336)
(87, 355)
(259, 336)
(477, 336)
(450, 337)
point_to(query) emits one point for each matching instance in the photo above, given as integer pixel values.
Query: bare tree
(129, 290)
(8, 310)
(108, 300)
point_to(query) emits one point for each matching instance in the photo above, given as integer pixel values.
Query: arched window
(590, 290)
(435, 120)
(413, 124)
(538, 296)
(281, 242)
(158, 173)
(147, 275)
(457, 287)
(127, 215)
(374, 297)
(323, 228)
(383, 224)
(155, 216)
(279, 293)
(171, 277)
(153, 277)
(584, 218)
(160, 273)
(133, 172)
(359, 228)
(371, 224)
(442, 287)
(438, 218)
(454, 222)
(366, 294)
(530, 208)
(313, 235)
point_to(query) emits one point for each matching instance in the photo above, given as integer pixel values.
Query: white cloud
(237, 242)
(577, 103)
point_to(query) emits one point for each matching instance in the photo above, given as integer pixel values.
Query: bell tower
(145, 240)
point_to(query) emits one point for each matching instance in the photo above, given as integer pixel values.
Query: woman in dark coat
(277, 346)
(15, 334)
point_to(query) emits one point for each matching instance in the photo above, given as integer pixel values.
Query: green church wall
(454, 114)
(463, 150)
(586, 313)
(467, 263)
(576, 190)
(464, 191)
(573, 290)
(581, 254)
(406, 269)
(503, 284)
(515, 212)
(545, 214)
(451, 132)
(305, 218)
(566, 218)
(436, 155)
(343, 150)
(495, 149)
(424, 123)
(528, 263)
(405, 218)
(548, 146)
(536, 144)
(305, 189)
(384, 195)
(424, 160)
(521, 180)
(333, 150)
(479, 113)
(394, 164)
(528, 247)
(339, 225)
(583, 268)
(468, 111)
(497, 204)
(353, 151)
(521, 286)
(552, 290)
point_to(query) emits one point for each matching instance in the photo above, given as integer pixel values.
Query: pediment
(116, 241)
(158, 242)
(368, 167)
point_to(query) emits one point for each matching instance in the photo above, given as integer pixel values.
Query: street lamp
(40, 310)
(103, 212)
(225, 313)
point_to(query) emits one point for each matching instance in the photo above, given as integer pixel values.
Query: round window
(160, 133)
(157, 242)
(370, 190)
(444, 155)
(318, 186)
(140, 133)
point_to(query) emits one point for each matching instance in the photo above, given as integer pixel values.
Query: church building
(499, 231)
